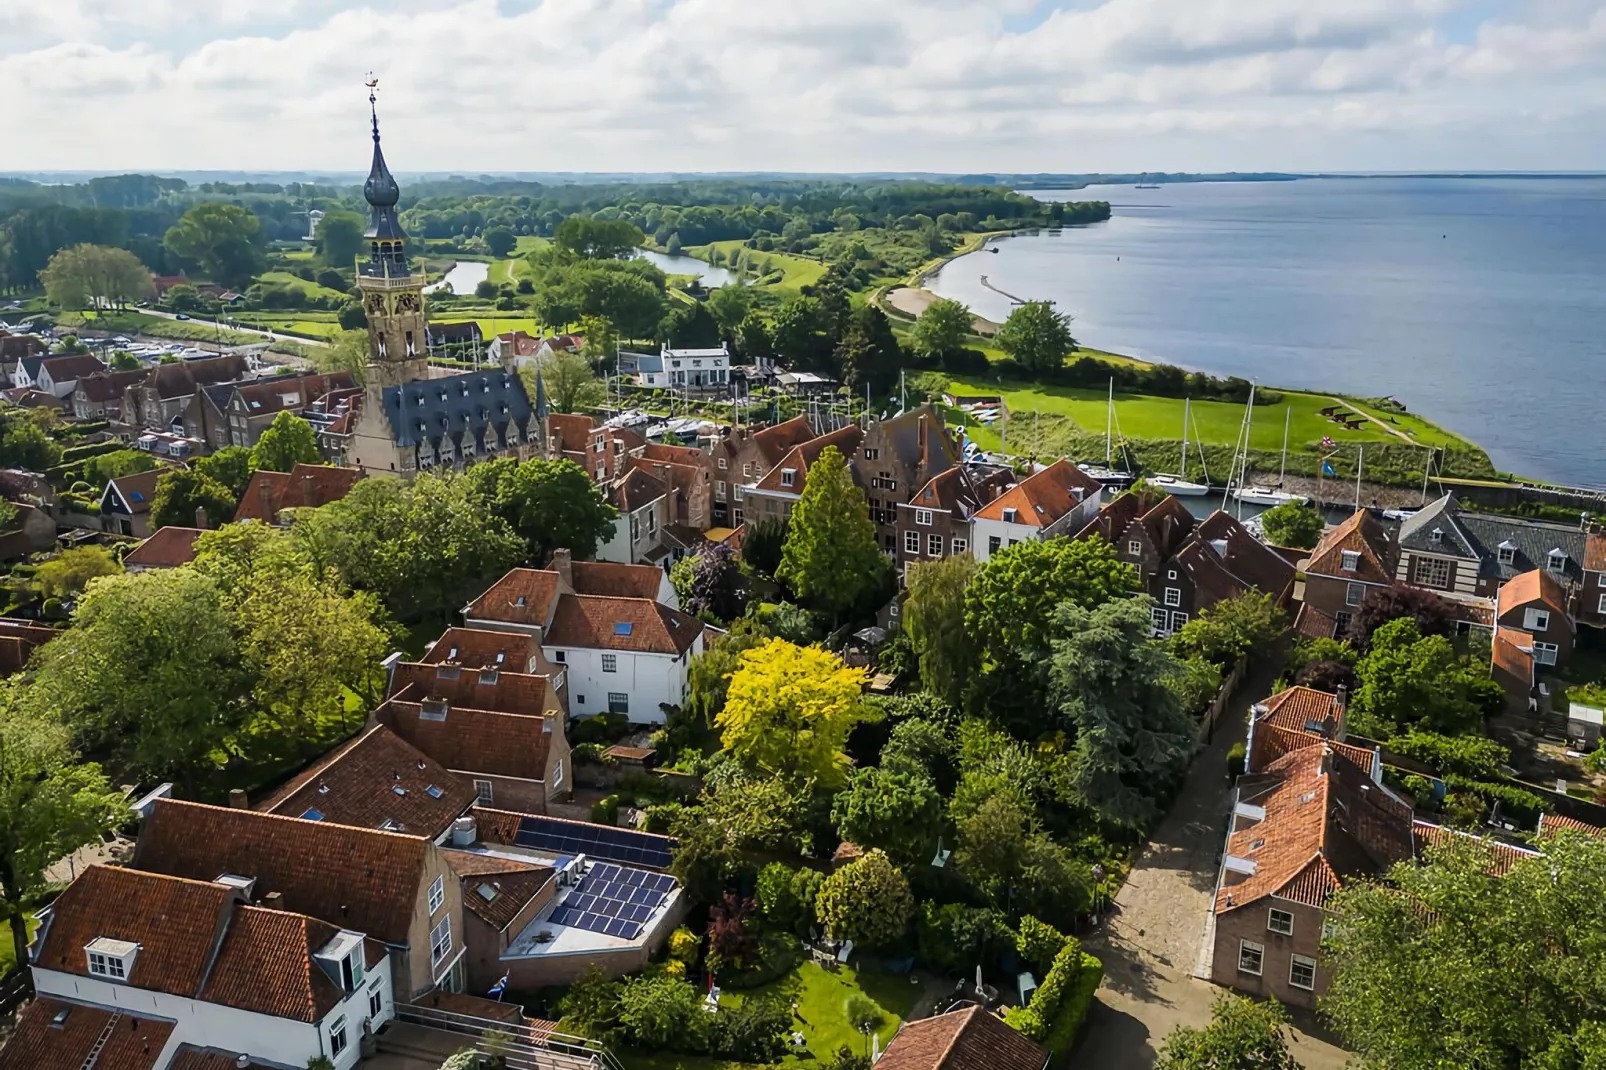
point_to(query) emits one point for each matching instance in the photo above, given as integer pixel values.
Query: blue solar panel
(595, 841)
(614, 900)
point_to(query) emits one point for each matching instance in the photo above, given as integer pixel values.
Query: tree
(499, 241)
(95, 276)
(1010, 605)
(717, 584)
(182, 298)
(941, 329)
(51, 803)
(123, 361)
(231, 466)
(25, 443)
(340, 239)
(1242, 1035)
(1293, 523)
(867, 901)
(789, 711)
(1112, 683)
(729, 305)
(585, 238)
(1410, 680)
(353, 319)
(753, 337)
(1038, 337)
(67, 574)
(830, 558)
(1233, 628)
(224, 239)
(895, 808)
(108, 466)
(1433, 615)
(552, 504)
(1451, 963)
(801, 337)
(147, 673)
(763, 544)
(347, 352)
(708, 678)
(286, 442)
(571, 385)
(934, 620)
(869, 354)
(331, 279)
(179, 494)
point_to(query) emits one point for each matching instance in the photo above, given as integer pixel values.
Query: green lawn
(796, 271)
(501, 271)
(495, 325)
(8, 953)
(296, 282)
(155, 326)
(822, 997)
(1143, 416)
(529, 243)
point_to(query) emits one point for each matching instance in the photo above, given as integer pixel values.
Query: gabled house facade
(1057, 500)
(99, 396)
(774, 496)
(1350, 561)
(744, 456)
(936, 521)
(896, 457)
(59, 375)
(161, 400)
(125, 504)
(642, 500)
(1464, 554)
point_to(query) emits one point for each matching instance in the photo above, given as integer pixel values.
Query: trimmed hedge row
(94, 449)
(1067, 1024)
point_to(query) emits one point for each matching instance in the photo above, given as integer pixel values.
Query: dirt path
(913, 300)
(1395, 431)
(1152, 940)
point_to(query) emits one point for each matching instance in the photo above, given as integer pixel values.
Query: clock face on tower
(376, 304)
(407, 302)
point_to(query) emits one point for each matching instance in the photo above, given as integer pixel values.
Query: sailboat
(1258, 495)
(1108, 475)
(1180, 485)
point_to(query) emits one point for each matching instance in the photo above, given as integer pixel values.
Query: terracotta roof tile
(184, 378)
(1299, 706)
(1312, 623)
(305, 486)
(109, 386)
(477, 648)
(265, 965)
(688, 455)
(523, 596)
(636, 624)
(775, 442)
(192, 1058)
(360, 878)
(1512, 653)
(1043, 498)
(1272, 742)
(472, 740)
(170, 547)
(1535, 586)
(356, 784)
(637, 489)
(1360, 534)
(800, 458)
(526, 694)
(970, 1039)
(498, 826)
(616, 580)
(72, 366)
(497, 889)
(135, 1043)
(571, 430)
(1551, 824)
(1595, 552)
(1502, 855)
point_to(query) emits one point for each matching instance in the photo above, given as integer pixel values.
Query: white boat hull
(1182, 488)
(1265, 496)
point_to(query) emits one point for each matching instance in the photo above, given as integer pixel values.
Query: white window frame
(1354, 594)
(437, 894)
(1249, 947)
(923, 517)
(1133, 546)
(1556, 563)
(1507, 555)
(960, 545)
(107, 967)
(610, 663)
(1171, 574)
(1602, 607)
(1160, 618)
(1434, 565)
(1536, 620)
(719, 490)
(1546, 653)
(788, 477)
(1273, 921)
(557, 773)
(1297, 961)
(1173, 596)
(1179, 620)
(911, 542)
(723, 464)
(934, 545)
(376, 998)
(337, 1036)
(440, 942)
(1349, 560)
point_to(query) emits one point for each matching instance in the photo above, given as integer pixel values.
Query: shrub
(751, 1032)
(1236, 759)
(658, 1011)
(1039, 942)
(1062, 1033)
(864, 1013)
(1060, 1005)
(683, 945)
(867, 901)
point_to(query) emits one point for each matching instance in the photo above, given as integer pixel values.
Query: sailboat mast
(1360, 462)
(1282, 469)
(1182, 473)
(1109, 421)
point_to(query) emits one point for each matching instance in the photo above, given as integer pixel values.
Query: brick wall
(1250, 923)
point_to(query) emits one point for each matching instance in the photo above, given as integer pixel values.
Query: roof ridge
(964, 1022)
(320, 825)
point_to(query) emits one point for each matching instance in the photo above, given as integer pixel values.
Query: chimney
(563, 564)
(200, 517)
(1327, 759)
(238, 799)
(464, 832)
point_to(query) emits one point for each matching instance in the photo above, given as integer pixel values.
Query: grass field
(501, 271)
(495, 325)
(296, 282)
(155, 326)
(1217, 422)
(821, 997)
(796, 271)
(317, 328)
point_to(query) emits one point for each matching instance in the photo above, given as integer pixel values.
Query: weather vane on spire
(372, 82)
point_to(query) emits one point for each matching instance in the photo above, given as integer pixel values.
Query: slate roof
(306, 486)
(187, 376)
(477, 648)
(935, 450)
(109, 386)
(359, 878)
(464, 331)
(458, 408)
(969, 1039)
(356, 784)
(169, 547)
(1417, 532)
(137, 490)
(497, 889)
(633, 624)
(36, 1044)
(1532, 539)
(1043, 498)
(1246, 562)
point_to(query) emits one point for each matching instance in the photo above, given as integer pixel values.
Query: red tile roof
(1273, 741)
(1551, 824)
(192, 1058)
(970, 1039)
(1534, 586)
(775, 442)
(472, 740)
(109, 386)
(305, 486)
(1043, 498)
(265, 965)
(498, 889)
(135, 1043)
(615, 580)
(658, 451)
(359, 878)
(1512, 653)
(477, 648)
(799, 459)
(71, 366)
(1595, 552)
(636, 624)
(525, 694)
(636, 489)
(1299, 706)
(1502, 855)
(1360, 534)
(523, 596)
(357, 782)
(170, 547)
(1312, 623)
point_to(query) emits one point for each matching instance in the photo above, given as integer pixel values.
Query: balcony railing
(526, 1047)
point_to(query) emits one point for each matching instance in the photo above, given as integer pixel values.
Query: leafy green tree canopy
(1037, 336)
(286, 442)
(1410, 680)
(224, 239)
(1242, 1035)
(1293, 523)
(941, 329)
(934, 619)
(867, 901)
(180, 493)
(340, 238)
(830, 557)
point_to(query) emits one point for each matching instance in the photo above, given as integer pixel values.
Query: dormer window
(111, 960)
(1010, 516)
(788, 477)
(1507, 553)
(1557, 561)
(1349, 560)
(433, 709)
(1436, 536)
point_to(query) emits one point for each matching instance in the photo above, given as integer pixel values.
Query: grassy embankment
(153, 326)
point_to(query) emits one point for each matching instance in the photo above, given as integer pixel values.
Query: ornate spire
(385, 235)
(380, 190)
(541, 408)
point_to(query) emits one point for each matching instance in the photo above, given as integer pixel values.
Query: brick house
(395, 888)
(99, 396)
(1146, 530)
(744, 456)
(1219, 559)
(969, 1039)
(501, 898)
(162, 398)
(690, 474)
(773, 496)
(643, 502)
(1350, 561)
(608, 452)
(896, 458)
(269, 495)
(1592, 590)
(18, 640)
(1533, 634)
(1057, 500)
(936, 521)
(236, 413)
(570, 434)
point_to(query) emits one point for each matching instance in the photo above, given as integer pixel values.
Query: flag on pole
(498, 988)
(1327, 469)
(1327, 442)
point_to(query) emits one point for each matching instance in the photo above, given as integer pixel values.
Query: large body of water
(706, 273)
(1480, 303)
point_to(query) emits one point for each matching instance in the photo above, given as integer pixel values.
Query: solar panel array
(594, 841)
(614, 900)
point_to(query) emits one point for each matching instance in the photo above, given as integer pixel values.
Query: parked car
(181, 316)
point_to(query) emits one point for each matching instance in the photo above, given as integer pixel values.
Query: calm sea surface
(1480, 303)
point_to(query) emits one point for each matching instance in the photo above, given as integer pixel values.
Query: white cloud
(475, 85)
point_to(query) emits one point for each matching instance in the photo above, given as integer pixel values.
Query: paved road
(274, 335)
(1152, 940)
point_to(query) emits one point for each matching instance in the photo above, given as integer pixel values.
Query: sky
(472, 86)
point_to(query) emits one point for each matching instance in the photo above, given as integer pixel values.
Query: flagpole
(1360, 462)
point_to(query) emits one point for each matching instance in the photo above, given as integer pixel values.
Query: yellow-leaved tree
(790, 709)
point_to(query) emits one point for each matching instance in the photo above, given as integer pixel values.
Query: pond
(464, 276)
(706, 273)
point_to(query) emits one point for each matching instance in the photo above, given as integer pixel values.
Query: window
(337, 1036)
(1355, 594)
(1160, 617)
(559, 656)
(1545, 653)
(1133, 546)
(1340, 624)
(618, 702)
(788, 476)
(1436, 536)
(722, 464)
(376, 998)
(911, 542)
(1536, 620)
(610, 663)
(1602, 607)
(1508, 553)
(1280, 921)
(923, 517)
(1010, 515)
(557, 774)
(960, 546)
(994, 542)
(1302, 972)
(1430, 572)
(934, 545)
(1171, 574)
(1173, 596)
(872, 454)
(1558, 561)
(1329, 929)
(1250, 957)
(1178, 619)
(111, 959)
(747, 471)
(483, 791)
(440, 941)
(1349, 560)
(437, 894)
